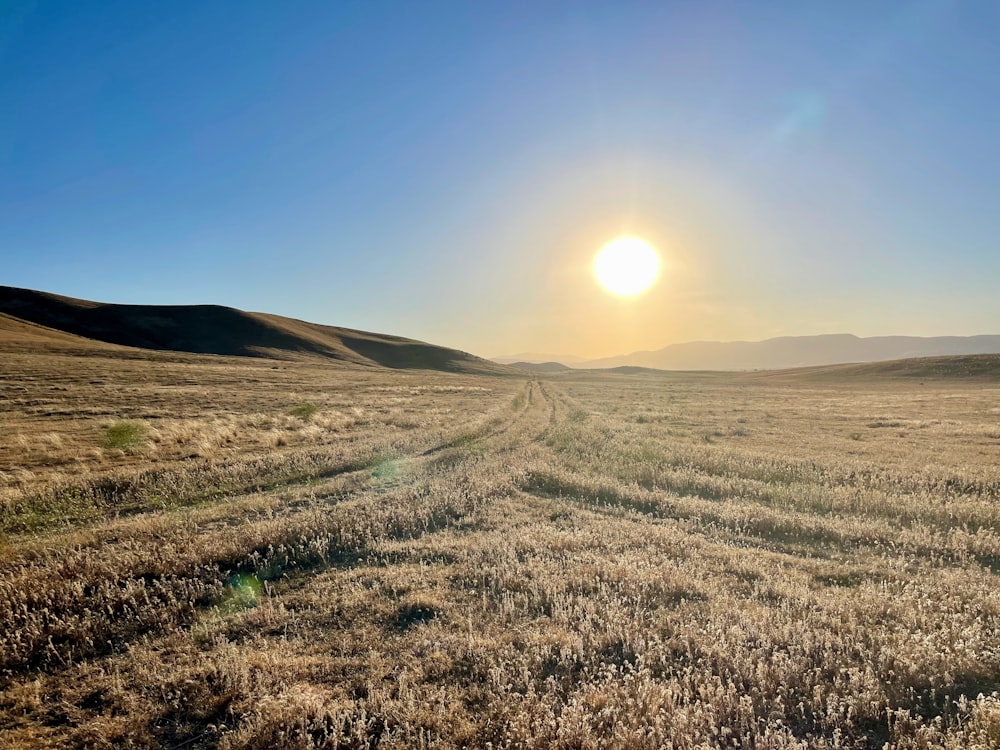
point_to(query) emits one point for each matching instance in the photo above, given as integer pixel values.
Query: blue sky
(448, 170)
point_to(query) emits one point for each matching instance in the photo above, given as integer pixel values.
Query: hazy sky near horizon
(447, 170)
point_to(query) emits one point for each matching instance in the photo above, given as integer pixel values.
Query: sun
(627, 266)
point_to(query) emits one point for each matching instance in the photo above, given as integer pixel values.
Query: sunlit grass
(460, 562)
(124, 436)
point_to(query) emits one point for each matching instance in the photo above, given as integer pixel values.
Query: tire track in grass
(80, 602)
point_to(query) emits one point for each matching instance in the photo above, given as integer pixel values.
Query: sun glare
(627, 266)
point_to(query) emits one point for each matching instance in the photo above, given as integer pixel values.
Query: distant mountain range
(30, 318)
(792, 351)
(38, 319)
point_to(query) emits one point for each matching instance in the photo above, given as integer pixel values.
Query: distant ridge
(535, 358)
(799, 351)
(540, 366)
(984, 367)
(213, 329)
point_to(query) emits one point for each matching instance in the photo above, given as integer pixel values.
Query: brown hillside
(22, 335)
(212, 329)
(967, 367)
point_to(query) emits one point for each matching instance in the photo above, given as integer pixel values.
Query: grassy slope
(23, 334)
(212, 329)
(984, 367)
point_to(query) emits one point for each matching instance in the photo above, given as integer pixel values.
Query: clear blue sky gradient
(447, 170)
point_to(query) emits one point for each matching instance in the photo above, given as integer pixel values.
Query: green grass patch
(124, 436)
(305, 412)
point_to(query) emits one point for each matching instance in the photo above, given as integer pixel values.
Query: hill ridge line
(227, 331)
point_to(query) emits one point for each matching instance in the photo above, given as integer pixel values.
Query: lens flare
(627, 266)
(242, 592)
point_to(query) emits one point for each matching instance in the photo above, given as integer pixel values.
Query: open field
(204, 552)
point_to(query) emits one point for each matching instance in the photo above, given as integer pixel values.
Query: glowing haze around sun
(627, 266)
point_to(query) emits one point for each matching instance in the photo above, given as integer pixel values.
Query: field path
(587, 563)
(158, 570)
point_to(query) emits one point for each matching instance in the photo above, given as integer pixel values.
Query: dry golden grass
(428, 560)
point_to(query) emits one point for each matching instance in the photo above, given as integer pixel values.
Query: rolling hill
(213, 329)
(983, 367)
(537, 358)
(799, 351)
(541, 366)
(14, 331)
